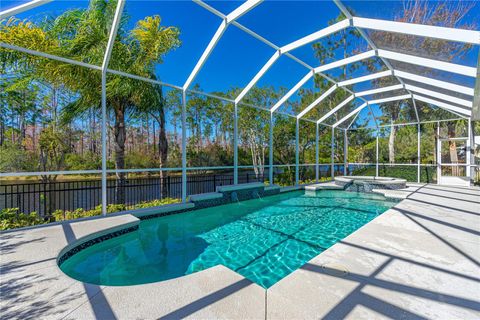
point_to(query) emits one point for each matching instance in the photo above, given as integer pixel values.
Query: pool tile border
(82, 246)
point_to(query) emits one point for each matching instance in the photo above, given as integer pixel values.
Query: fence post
(376, 156)
(168, 186)
(235, 144)
(469, 150)
(316, 153)
(345, 152)
(248, 180)
(184, 146)
(332, 155)
(297, 155)
(439, 155)
(418, 152)
(270, 151)
(214, 182)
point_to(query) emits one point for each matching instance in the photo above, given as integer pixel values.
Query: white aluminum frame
(378, 75)
(419, 30)
(317, 101)
(436, 83)
(439, 95)
(338, 107)
(106, 59)
(449, 34)
(379, 90)
(443, 105)
(429, 63)
(22, 8)
(339, 122)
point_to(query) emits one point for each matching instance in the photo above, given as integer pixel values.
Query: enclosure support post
(332, 154)
(297, 155)
(376, 155)
(235, 145)
(345, 153)
(316, 154)
(270, 151)
(418, 152)
(106, 60)
(184, 146)
(439, 154)
(469, 152)
(104, 143)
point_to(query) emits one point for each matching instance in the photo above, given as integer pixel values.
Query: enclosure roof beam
(439, 95)
(206, 53)
(420, 30)
(411, 59)
(235, 14)
(339, 122)
(413, 88)
(257, 77)
(430, 63)
(242, 9)
(390, 99)
(372, 76)
(316, 35)
(22, 8)
(352, 122)
(342, 62)
(291, 91)
(369, 103)
(338, 107)
(443, 105)
(379, 90)
(270, 44)
(289, 47)
(317, 101)
(436, 83)
(364, 35)
(113, 34)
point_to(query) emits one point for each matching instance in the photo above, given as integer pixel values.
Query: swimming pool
(264, 239)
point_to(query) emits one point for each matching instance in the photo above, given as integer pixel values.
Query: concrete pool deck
(420, 259)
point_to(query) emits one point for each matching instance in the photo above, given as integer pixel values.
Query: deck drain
(336, 270)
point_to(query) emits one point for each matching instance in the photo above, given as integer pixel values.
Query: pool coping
(272, 306)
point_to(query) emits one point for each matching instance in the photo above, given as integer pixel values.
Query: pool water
(264, 239)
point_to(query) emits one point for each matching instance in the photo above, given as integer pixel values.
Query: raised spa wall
(234, 193)
(368, 184)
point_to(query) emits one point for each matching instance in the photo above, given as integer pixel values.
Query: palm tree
(82, 34)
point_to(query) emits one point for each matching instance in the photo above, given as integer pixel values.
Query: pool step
(205, 196)
(152, 212)
(399, 194)
(272, 187)
(290, 188)
(324, 186)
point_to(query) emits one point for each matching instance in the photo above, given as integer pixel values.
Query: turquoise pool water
(264, 239)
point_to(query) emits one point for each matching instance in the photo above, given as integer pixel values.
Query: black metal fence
(47, 197)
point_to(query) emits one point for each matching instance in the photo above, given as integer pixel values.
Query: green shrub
(10, 218)
(60, 215)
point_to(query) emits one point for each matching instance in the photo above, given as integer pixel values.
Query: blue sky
(238, 56)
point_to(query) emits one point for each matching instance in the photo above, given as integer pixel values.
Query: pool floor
(264, 240)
